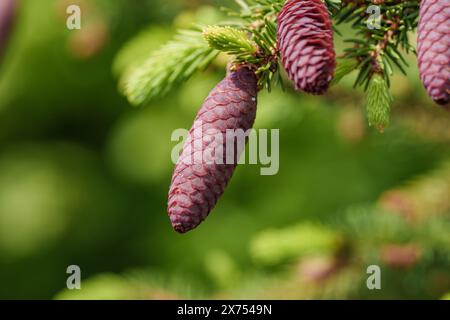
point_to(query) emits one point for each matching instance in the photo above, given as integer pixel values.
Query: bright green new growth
(230, 40)
(379, 101)
(168, 67)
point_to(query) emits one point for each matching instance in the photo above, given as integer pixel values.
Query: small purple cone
(433, 48)
(305, 40)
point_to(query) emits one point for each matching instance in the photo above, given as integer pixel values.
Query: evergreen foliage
(168, 67)
(376, 51)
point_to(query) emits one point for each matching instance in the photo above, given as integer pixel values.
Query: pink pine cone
(433, 48)
(305, 40)
(7, 11)
(197, 186)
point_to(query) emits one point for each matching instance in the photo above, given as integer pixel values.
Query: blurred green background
(84, 176)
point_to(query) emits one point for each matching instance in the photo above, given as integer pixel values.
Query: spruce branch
(378, 48)
(333, 6)
(379, 41)
(344, 67)
(259, 21)
(257, 10)
(376, 51)
(252, 42)
(168, 67)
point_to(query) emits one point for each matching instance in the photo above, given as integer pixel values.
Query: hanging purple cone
(198, 180)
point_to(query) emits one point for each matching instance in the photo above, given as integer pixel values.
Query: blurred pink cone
(7, 12)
